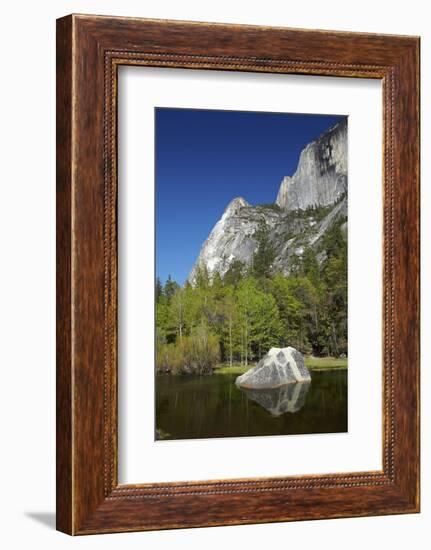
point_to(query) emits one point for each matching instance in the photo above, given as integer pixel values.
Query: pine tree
(264, 256)
(158, 290)
(202, 279)
(171, 287)
(235, 273)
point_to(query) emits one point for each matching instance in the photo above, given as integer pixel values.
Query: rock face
(321, 176)
(230, 239)
(285, 399)
(308, 205)
(280, 366)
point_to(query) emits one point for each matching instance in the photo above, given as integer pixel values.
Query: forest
(237, 318)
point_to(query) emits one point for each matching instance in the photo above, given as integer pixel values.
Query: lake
(190, 407)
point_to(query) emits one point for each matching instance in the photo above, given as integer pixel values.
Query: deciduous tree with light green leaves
(259, 321)
(239, 317)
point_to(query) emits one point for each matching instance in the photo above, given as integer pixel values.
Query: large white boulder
(278, 367)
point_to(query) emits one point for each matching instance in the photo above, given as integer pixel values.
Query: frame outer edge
(81, 506)
(64, 368)
(407, 272)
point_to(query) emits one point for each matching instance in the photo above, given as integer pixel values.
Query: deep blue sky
(205, 158)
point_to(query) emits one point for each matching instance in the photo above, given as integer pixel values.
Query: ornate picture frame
(89, 51)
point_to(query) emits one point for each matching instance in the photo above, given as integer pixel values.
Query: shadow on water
(285, 399)
(190, 407)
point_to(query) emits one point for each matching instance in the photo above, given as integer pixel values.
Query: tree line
(237, 318)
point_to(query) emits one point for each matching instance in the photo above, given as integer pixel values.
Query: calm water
(189, 407)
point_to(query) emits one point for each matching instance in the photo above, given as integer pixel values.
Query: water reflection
(190, 407)
(288, 398)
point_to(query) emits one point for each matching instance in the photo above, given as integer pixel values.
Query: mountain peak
(320, 180)
(321, 176)
(234, 205)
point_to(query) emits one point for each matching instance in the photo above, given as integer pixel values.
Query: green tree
(202, 278)
(334, 304)
(310, 266)
(162, 320)
(248, 311)
(235, 273)
(178, 307)
(307, 295)
(171, 287)
(264, 256)
(158, 289)
(259, 322)
(335, 275)
(226, 321)
(289, 307)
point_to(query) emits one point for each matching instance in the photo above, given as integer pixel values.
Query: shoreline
(312, 363)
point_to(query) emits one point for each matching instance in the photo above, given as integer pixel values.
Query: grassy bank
(313, 363)
(325, 363)
(234, 369)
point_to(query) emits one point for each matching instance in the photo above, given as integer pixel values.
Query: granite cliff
(321, 176)
(309, 203)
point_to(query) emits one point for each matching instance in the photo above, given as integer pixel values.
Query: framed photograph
(237, 274)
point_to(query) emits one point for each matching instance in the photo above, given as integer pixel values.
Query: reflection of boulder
(278, 368)
(277, 401)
